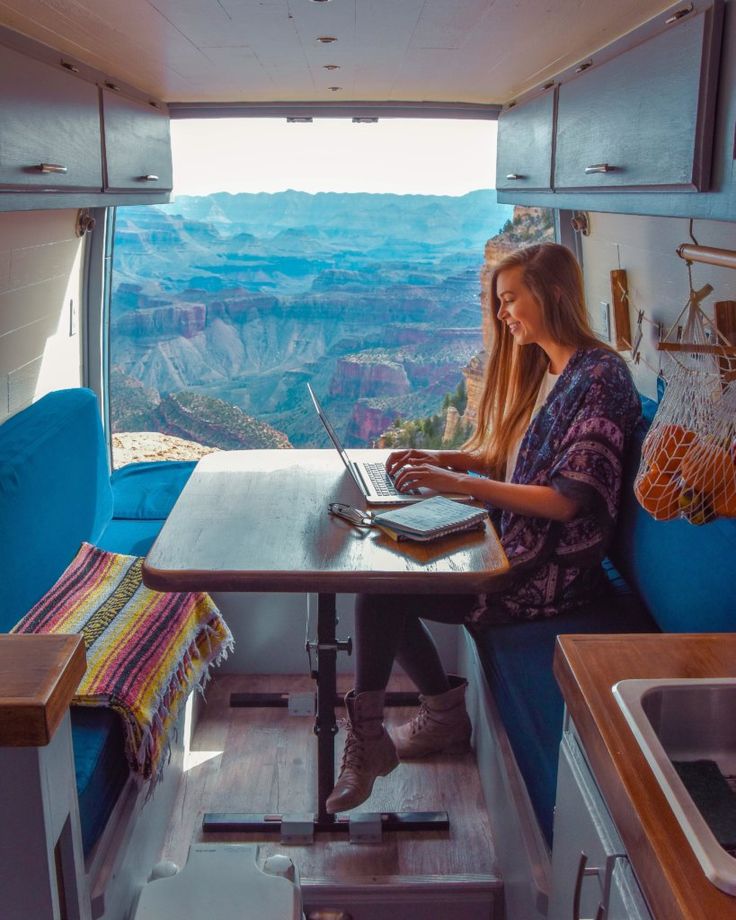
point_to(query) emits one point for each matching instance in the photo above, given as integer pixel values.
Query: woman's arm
(458, 460)
(531, 501)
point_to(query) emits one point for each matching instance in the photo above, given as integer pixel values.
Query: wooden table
(257, 521)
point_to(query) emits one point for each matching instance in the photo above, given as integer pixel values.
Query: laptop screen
(334, 438)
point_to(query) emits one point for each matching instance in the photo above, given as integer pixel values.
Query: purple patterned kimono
(576, 445)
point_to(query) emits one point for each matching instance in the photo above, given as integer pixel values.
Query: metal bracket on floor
(366, 827)
(297, 829)
(301, 704)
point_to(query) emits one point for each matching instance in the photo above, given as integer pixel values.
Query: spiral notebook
(430, 519)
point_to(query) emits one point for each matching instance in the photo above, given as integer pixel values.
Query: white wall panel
(40, 280)
(658, 280)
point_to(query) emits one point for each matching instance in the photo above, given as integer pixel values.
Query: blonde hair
(514, 372)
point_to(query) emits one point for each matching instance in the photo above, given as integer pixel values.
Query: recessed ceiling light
(320, 1)
(331, 66)
(326, 39)
(334, 89)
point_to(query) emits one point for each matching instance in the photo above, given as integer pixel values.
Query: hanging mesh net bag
(688, 464)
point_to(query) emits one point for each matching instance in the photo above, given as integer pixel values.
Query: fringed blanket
(145, 650)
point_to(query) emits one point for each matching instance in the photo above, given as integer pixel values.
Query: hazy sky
(405, 156)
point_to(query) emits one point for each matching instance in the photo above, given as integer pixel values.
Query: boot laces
(420, 719)
(354, 750)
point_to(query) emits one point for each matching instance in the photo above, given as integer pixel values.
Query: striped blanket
(145, 650)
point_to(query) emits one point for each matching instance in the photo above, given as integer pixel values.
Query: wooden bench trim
(39, 675)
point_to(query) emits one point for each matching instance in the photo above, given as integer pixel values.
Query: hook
(690, 231)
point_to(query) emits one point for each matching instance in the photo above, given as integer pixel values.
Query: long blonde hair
(514, 372)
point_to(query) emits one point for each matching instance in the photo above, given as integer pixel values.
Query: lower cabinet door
(586, 845)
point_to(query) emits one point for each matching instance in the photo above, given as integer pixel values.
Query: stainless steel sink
(686, 720)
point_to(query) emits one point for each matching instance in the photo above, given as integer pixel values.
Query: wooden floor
(262, 760)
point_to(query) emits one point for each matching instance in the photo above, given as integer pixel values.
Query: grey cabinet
(591, 874)
(137, 145)
(49, 127)
(637, 121)
(525, 132)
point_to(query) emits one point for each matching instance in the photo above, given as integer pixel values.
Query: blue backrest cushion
(683, 573)
(54, 494)
(148, 491)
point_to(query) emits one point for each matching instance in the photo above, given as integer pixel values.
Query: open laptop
(371, 478)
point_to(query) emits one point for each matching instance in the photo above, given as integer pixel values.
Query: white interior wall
(657, 276)
(40, 298)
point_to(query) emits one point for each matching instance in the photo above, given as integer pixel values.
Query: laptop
(371, 478)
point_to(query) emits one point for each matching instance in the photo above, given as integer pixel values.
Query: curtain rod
(726, 258)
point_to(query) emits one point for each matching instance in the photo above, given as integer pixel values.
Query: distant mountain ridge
(433, 219)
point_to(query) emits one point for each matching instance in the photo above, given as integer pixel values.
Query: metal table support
(325, 727)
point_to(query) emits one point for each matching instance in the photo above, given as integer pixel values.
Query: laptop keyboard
(381, 481)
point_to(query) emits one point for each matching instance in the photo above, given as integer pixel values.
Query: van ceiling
(473, 51)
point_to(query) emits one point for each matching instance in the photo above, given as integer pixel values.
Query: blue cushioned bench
(56, 492)
(676, 578)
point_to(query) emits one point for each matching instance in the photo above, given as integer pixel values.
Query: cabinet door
(49, 127)
(524, 148)
(137, 144)
(640, 119)
(586, 845)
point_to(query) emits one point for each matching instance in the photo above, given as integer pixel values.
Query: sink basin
(689, 722)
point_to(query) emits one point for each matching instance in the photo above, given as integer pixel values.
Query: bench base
(523, 855)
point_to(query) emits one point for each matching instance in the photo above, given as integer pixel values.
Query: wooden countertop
(586, 667)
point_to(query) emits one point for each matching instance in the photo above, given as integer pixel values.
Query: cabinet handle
(150, 178)
(599, 168)
(584, 870)
(514, 176)
(51, 168)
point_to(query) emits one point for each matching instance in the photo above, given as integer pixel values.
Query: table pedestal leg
(325, 728)
(325, 724)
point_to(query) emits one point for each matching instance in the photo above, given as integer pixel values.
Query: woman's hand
(411, 457)
(424, 474)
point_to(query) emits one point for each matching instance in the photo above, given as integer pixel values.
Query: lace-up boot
(368, 753)
(441, 726)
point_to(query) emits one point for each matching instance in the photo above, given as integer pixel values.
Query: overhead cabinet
(640, 119)
(525, 134)
(69, 139)
(137, 144)
(49, 127)
(638, 128)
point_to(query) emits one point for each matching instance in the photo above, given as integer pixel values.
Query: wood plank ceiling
(475, 51)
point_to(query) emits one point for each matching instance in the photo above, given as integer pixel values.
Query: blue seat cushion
(517, 661)
(100, 766)
(148, 491)
(133, 538)
(54, 494)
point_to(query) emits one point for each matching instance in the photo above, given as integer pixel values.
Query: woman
(554, 420)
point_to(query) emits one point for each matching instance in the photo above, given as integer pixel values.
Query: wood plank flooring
(262, 760)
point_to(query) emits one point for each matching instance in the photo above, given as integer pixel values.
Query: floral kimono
(576, 445)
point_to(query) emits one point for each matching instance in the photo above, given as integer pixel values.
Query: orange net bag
(688, 463)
